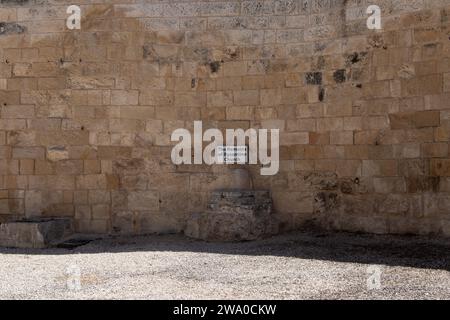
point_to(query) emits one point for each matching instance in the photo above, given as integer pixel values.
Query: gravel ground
(301, 265)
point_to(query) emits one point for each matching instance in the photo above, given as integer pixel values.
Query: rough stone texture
(38, 233)
(86, 115)
(234, 215)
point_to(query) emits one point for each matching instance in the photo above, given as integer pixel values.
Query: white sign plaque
(232, 154)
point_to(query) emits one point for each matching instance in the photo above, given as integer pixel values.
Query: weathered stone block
(34, 233)
(234, 215)
(57, 153)
(143, 201)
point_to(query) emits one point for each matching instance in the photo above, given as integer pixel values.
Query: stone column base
(234, 215)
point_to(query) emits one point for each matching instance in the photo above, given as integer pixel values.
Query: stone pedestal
(234, 215)
(37, 233)
(240, 179)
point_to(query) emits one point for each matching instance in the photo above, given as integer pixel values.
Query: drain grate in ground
(73, 243)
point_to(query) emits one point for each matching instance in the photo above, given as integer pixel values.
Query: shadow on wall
(402, 251)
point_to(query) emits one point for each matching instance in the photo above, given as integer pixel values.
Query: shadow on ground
(406, 251)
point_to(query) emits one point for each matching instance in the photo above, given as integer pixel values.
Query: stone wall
(86, 115)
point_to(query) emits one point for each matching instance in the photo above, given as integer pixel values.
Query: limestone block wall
(86, 115)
